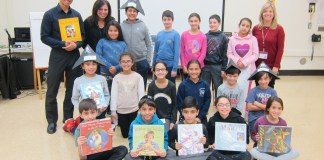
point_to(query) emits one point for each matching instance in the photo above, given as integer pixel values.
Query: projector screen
(181, 9)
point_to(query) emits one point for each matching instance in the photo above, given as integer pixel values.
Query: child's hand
(173, 74)
(133, 154)
(163, 153)
(203, 139)
(112, 70)
(184, 69)
(247, 147)
(102, 109)
(81, 140)
(111, 132)
(198, 120)
(178, 146)
(257, 137)
(171, 125)
(223, 75)
(212, 146)
(114, 118)
(240, 65)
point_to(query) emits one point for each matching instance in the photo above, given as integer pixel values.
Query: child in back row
(127, 89)
(216, 59)
(88, 112)
(194, 86)
(167, 46)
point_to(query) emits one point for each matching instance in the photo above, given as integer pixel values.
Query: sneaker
(68, 125)
(77, 121)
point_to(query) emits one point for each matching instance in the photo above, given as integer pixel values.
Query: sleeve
(80, 43)
(156, 50)
(86, 29)
(255, 53)
(125, 49)
(219, 91)
(280, 45)
(182, 51)
(224, 53)
(148, 43)
(130, 136)
(176, 46)
(180, 97)
(76, 94)
(240, 104)
(250, 98)
(150, 91)
(106, 91)
(211, 130)
(255, 130)
(76, 135)
(100, 51)
(46, 32)
(274, 93)
(174, 104)
(166, 137)
(205, 132)
(141, 91)
(173, 136)
(203, 49)
(230, 51)
(207, 98)
(114, 96)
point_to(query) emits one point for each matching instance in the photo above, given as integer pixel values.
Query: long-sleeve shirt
(167, 48)
(274, 43)
(193, 46)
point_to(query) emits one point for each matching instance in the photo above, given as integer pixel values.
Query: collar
(59, 9)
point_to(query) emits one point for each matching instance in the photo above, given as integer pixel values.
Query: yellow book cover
(70, 29)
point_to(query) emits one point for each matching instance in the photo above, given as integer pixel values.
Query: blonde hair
(274, 22)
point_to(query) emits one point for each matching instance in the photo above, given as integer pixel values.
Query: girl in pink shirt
(193, 43)
(244, 51)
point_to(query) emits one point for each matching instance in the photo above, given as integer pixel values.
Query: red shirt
(274, 41)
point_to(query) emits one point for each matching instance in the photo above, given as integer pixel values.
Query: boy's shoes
(51, 128)
(68, 125)
(77, 121)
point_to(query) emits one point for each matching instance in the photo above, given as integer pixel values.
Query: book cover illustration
(274, 139)
(148, 140)
(230, 136)
(94, 90)
(189, 136)
(97, 136)
(70, 29)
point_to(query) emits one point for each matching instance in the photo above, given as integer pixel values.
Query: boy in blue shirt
(167, 46)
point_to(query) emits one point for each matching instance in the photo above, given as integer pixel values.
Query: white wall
(293, 16)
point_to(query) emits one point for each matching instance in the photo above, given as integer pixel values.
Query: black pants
(59, 62)
(218, 155)
(116, 153)
(142, 68)
(124, 121)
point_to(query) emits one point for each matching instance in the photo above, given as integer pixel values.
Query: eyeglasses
(126, 62)
(223, 105)
(160, 70)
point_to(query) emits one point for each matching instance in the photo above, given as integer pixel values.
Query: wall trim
(301, 72)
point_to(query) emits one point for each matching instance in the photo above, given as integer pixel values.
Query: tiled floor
(23, 124)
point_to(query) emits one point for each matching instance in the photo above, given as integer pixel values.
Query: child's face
(103, 12)
(223, 106)
(194, 71)
(275, 110)
(126, 63)
(90, 67)
(268, 14)
(245, 27)
(149, 138)
(147, 112)
(231, 79)
(131, 14)
(160, 71)
(167, 22)
(194, 22)
(190, 115)
(89, 115)
(214, 25)
(264, 81)
(113, 32)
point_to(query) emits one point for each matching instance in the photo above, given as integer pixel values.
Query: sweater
(199, 90)
(165, 100)
(216, 49)
(167, 48)
(236, 96)
(126, 91)
(274, 44)
(139, 121)
(109, 51)
(138, 40)
(193, 47)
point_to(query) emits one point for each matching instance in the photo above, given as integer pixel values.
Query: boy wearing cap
(89, 85)
(137, 37)
(232, 90)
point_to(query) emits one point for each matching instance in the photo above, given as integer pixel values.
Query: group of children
(207, 55)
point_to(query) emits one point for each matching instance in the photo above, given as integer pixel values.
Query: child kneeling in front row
(88, 112)
(147, 116)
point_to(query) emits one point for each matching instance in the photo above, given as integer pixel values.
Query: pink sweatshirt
(193, 46)
(244, 48)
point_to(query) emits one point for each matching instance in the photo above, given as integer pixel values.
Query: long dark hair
(117, 25)
(96, 7)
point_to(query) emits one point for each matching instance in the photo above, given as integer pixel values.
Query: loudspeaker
(23, 68)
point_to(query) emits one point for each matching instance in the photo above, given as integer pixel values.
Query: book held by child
(230, 136)
(189, 136)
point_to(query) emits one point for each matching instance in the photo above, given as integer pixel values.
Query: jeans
(142, 68)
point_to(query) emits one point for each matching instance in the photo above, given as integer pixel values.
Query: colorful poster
(94, 90)
(189, 136)
(230, 136)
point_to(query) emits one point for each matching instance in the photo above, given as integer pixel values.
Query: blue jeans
(142, 68)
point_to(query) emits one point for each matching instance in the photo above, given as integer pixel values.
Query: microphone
(9, 37)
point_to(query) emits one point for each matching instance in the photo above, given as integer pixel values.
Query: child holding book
(272, 117)
(88, 112)
(194, 86)
(167, 46)
(89, 85)
(259, 95)
(244, 51)
(232, 90)
(164, 93)
(216, 58)
(225, 114)
(127, 89)
(189, 111)
(147, 116)
(193, 43)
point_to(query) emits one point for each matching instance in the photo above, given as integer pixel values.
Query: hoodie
(233, 117)
(137, 38)
(139, 121)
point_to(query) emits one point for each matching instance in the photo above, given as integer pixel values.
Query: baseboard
(301, 72)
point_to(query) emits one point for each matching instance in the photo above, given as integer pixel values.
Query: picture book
(70, 29)
(189, 136)
(148, 140)
(274, 139)
(94, 90)
(230, 136)
(97, 136)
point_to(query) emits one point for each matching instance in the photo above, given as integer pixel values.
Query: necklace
(264, 37)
